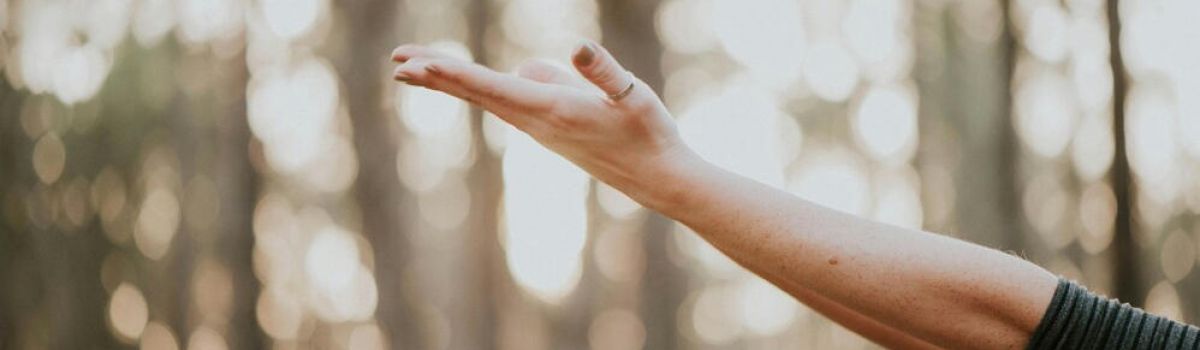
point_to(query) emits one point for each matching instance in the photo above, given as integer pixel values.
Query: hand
(629, 142)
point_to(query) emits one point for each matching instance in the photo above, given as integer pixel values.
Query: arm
(946, 291)
(896, 286)
(869, 328)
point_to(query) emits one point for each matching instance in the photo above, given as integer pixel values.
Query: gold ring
(618, 96)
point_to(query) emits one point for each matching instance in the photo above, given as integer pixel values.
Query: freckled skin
(901, 288)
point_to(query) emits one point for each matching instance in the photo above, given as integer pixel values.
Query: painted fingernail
(584, 55)
(402, 77)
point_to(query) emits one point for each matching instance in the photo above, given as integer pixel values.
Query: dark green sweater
(1080, 319)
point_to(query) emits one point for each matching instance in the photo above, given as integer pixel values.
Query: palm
(575, 117)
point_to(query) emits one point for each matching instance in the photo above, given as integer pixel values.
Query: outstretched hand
(609, 122)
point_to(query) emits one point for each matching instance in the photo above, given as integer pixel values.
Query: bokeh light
(764, 309)
(831, 71)
(1045, 114)
(292, 111)
(833, 179)
(1153, 154)
(684, 26)
(157, 222)
(201, 21)
(49, 158)
(766, 37)
(714, 318)
(243, 173)
(206, 339)
(544, 207)
(291, 19)
(158, 336)
(127, 312)
(886, 123)
(736, 130)
(331, 260)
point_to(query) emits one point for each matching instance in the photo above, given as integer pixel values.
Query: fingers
(599, 67)
(551, 73)
(497, 92)
(403, 53)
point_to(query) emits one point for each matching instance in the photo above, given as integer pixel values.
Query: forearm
(949, 292)
(867, 327)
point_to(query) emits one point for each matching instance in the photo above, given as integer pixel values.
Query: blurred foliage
(213, 174)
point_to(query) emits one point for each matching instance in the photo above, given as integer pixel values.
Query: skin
(901, 288)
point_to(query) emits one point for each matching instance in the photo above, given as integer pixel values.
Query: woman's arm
(867, 327)
(946, 291)
(883, 281)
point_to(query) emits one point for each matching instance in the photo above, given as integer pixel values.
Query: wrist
(665, 181)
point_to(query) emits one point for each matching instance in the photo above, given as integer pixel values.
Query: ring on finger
(624, 92)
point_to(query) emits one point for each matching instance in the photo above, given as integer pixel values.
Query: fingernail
(402, 77)
(584, 55)
(433, 69)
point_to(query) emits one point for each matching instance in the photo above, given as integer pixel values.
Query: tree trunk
(384, 204)
(973, 141)
(237, 184)
(628, 28)
(1125, 263)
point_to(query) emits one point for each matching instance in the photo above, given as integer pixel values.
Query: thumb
(599, 67)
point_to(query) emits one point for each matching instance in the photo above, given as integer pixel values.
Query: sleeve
(1080, 319)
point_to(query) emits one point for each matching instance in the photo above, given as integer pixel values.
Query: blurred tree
(14, 234)
(384, 204)
(1126, 269)
(237, 187)
(966, 125)
(625, 25)
(484, 267)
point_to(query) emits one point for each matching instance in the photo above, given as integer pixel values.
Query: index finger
(403, 53)
(493, 90)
